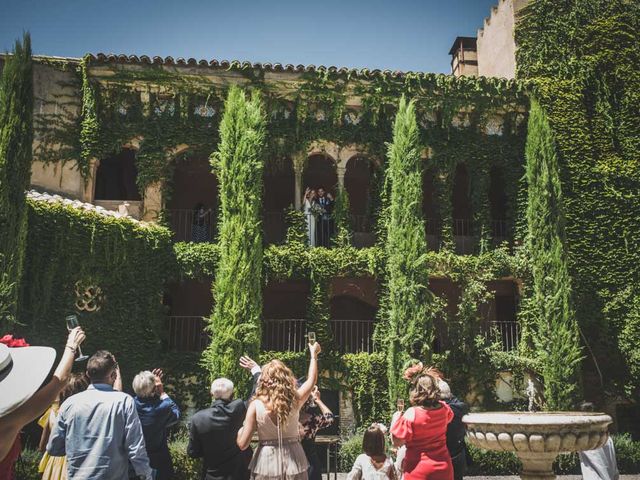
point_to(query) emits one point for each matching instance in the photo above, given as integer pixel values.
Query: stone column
(90, 183)
(152, 202)
(297, 170)
(341, 170)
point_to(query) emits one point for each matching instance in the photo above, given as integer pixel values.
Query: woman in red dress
(423, 430)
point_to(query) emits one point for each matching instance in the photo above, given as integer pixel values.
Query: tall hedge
(556, 339)
(237, 289)
(406, 313)
(16, 138)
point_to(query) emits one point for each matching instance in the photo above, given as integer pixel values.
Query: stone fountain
(537, 437)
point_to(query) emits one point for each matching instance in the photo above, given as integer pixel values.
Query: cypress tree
(409, 328)
(555, 336)
(237, 289)
(16, 137)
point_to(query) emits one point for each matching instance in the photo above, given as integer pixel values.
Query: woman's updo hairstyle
(425, 392)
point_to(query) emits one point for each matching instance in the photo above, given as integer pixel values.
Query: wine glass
(72, 322)
(400, 404)
(312, 337)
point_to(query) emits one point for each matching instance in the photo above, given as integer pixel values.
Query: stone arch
(278, 195)
(193, 184)
(116, 176)
(320, 172)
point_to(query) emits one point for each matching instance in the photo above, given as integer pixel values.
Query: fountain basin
(537, 438)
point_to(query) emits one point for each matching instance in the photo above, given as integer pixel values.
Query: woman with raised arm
(274, 414)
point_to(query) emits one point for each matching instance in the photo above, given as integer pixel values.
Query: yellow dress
(52, 468)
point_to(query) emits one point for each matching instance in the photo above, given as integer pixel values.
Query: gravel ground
(343, 476)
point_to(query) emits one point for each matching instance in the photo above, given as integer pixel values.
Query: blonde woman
(274, 414)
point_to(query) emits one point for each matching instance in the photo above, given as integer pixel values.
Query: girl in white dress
(309, 201)
(274, 414)
(373, 464)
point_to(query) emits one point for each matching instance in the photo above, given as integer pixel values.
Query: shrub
(487, 462)
(27, 466)
(185, 467)
(349, 451)
(627, 453)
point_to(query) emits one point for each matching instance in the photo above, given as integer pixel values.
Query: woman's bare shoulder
(410, 414)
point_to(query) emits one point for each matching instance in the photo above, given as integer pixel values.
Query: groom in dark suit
(325, 220)
(213, 431)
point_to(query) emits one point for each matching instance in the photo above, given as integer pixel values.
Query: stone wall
(496, 44)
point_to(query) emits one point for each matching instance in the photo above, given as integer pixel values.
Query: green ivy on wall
(585, 68)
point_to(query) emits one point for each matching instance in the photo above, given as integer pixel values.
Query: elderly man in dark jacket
(456, 431)
(213, 431)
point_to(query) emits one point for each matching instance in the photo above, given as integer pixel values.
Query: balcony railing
(188, 226)
(350, 336)
(186, 333)
(353, 336)
(506, 332)
(499, 230)
(284, 334)
(274, 226)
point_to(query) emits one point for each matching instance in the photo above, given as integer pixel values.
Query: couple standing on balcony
(318, 207)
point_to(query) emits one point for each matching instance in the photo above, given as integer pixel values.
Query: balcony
(187, 334)
(505, 332)
(188, 226)
(350, 336)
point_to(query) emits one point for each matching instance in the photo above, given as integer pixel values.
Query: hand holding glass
(312, 337)
(72, 322)
(400, 404)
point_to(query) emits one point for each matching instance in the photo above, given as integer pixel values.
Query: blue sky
(393, 34)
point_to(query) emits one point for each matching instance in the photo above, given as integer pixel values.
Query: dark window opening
(116, 177)
(461, 202)
(498, 203)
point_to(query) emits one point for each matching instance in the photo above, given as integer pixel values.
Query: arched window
(193, 204)
(116, 177)
(284, 308)
(461, 202)
(498, 203)
(352, 323)
(357, 182)
(320, 172)
(279, 193)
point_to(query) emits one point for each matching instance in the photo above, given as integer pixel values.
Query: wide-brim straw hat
(22, 372)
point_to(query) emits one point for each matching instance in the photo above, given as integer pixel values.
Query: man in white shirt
(99, 430)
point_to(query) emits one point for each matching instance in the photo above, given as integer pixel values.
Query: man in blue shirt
(99, 429)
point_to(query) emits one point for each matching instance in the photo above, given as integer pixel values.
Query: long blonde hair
(278, 385)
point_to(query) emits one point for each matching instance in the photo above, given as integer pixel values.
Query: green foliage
(185, 467)
(349, 451)
(583, 59)
(406, 312)
(490, 462)
(366, 378)
(27, 465)
(16, 137)
(68, 250)
(343, 231)
(556, 333)
(237, 291)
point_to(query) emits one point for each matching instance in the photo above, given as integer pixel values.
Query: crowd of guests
(92, 430)
(318, 209)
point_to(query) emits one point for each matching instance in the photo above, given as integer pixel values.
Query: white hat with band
(22, 372)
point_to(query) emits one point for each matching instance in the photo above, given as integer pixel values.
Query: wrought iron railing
(353, 336)
(274, 227)
(499, 230)
(506, 332)
(189, 226)
(350, 336)
(187, 334)
(320, 229)
(361, 223)
(284, 334)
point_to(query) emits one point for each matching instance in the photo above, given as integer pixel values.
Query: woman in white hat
(22, 371)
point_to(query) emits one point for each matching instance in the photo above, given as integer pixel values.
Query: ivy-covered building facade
(210, 255)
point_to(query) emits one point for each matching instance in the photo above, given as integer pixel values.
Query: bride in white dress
(309, 201)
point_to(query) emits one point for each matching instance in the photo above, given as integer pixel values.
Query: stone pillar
(90, 182)
(341, 170)
(297, 171)
(152, 202)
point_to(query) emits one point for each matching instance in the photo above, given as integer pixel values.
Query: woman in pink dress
(423, 430)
